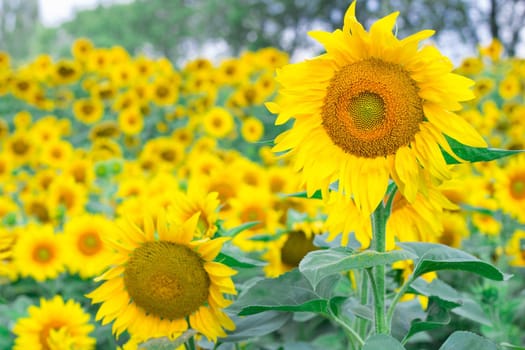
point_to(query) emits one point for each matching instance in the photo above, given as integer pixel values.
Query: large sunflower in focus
(372, 107)
(161, 281)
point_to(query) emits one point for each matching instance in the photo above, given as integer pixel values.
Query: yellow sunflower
(288, 250)
(509, 187)
(218, 122)
(131, 121)
(88, 110)
(197, 201)
(54, 324)
(161, 281)
(252, 129)
(38, 253)
(516, 248)
(371, 108)
(85, 251)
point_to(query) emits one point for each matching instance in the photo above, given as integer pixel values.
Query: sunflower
(66, 195)
(161, 282)
(516, 248)
(131, 121)
(455, 229)
(252, 129)
(66, 71)
(289, 249)
(85, 251)
(164, 92)
(509, 87)
(509, 187)
(81, 49)
(56, 154)
(88, 110)
(21, 147)
(55, 324)
(38, 253)
(371, 108)
(218, 122)
(194, 201)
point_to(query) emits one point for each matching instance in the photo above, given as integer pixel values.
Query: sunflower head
(372, 108)
(162, 282)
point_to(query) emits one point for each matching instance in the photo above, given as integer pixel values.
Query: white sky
(54, 12)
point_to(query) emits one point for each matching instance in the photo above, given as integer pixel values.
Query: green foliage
(473, 154)
(467, 340)
(382, 341)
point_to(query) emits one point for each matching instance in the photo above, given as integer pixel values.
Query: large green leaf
(318, 264)
(437, 317)
(242, 262)
(382, 341)
(467, 340)
(251, 326)
(289, 292)
(449, 298)
(435, 257)
(474, 154)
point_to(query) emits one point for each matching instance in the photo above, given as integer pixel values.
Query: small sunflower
(289, 249)
(85, 251)
(516, 248)
(371, 108)
(54, 324)
(88, 110)
(161, 282)
(509, 187)
(131, 121)
(252, 129)
(218, 122)
(38, 253)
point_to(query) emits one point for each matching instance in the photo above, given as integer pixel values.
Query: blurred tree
(176, 28)
(18, 22)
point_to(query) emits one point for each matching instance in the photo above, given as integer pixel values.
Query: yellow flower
(371, 108)
(509, 187)
(85, 251)
(509, 87)
(66, 71)
(65, 194)
(289, 249)
(516, 248)
(81, 49)
(252, 129)
(494, 50)
(54, 325)
(131, 121)
(161, 281)
(21, 147)
(454, 229)
(38, 253)
(218, 122)
(164, 92)
(56, 154)
(88, 110)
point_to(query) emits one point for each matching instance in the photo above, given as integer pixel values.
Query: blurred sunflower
(66, 71)
(164, 92)
(38, 253)
(54, 324)
(161, 281)
(218, 122)
(289, 249)
(81, 49)
(371, 108)
(252, 129)
(516, 248)
(85, 250)
(131, 121)
(88, 110)
(509, 187)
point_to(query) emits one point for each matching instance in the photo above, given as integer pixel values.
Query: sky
(54, 12)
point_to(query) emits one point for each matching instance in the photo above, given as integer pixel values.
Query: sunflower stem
(361, 322)
(397, 298)
(379, 217)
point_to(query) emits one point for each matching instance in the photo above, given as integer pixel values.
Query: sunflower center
(297, 245)
(43, 253)
(517, 187)
(20, 147)
(166, 279)
(372, 108)
(367, 110)
(89, 243)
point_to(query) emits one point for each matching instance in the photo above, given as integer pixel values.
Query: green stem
(347, 328)
(379, 244)
(399, 294)
(361, 322)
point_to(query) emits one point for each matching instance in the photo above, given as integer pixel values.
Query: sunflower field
(370, 197)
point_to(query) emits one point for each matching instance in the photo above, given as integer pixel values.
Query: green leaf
(243, 262)
(382, 341)
(437, 317)
(318, 264)
(435, 257)
(303, 194)
(445, 295)
(289, 292)
(467, 340)
(236, 230)
(472, 310)
(248, 327)
(510, 346)
(474, 154)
